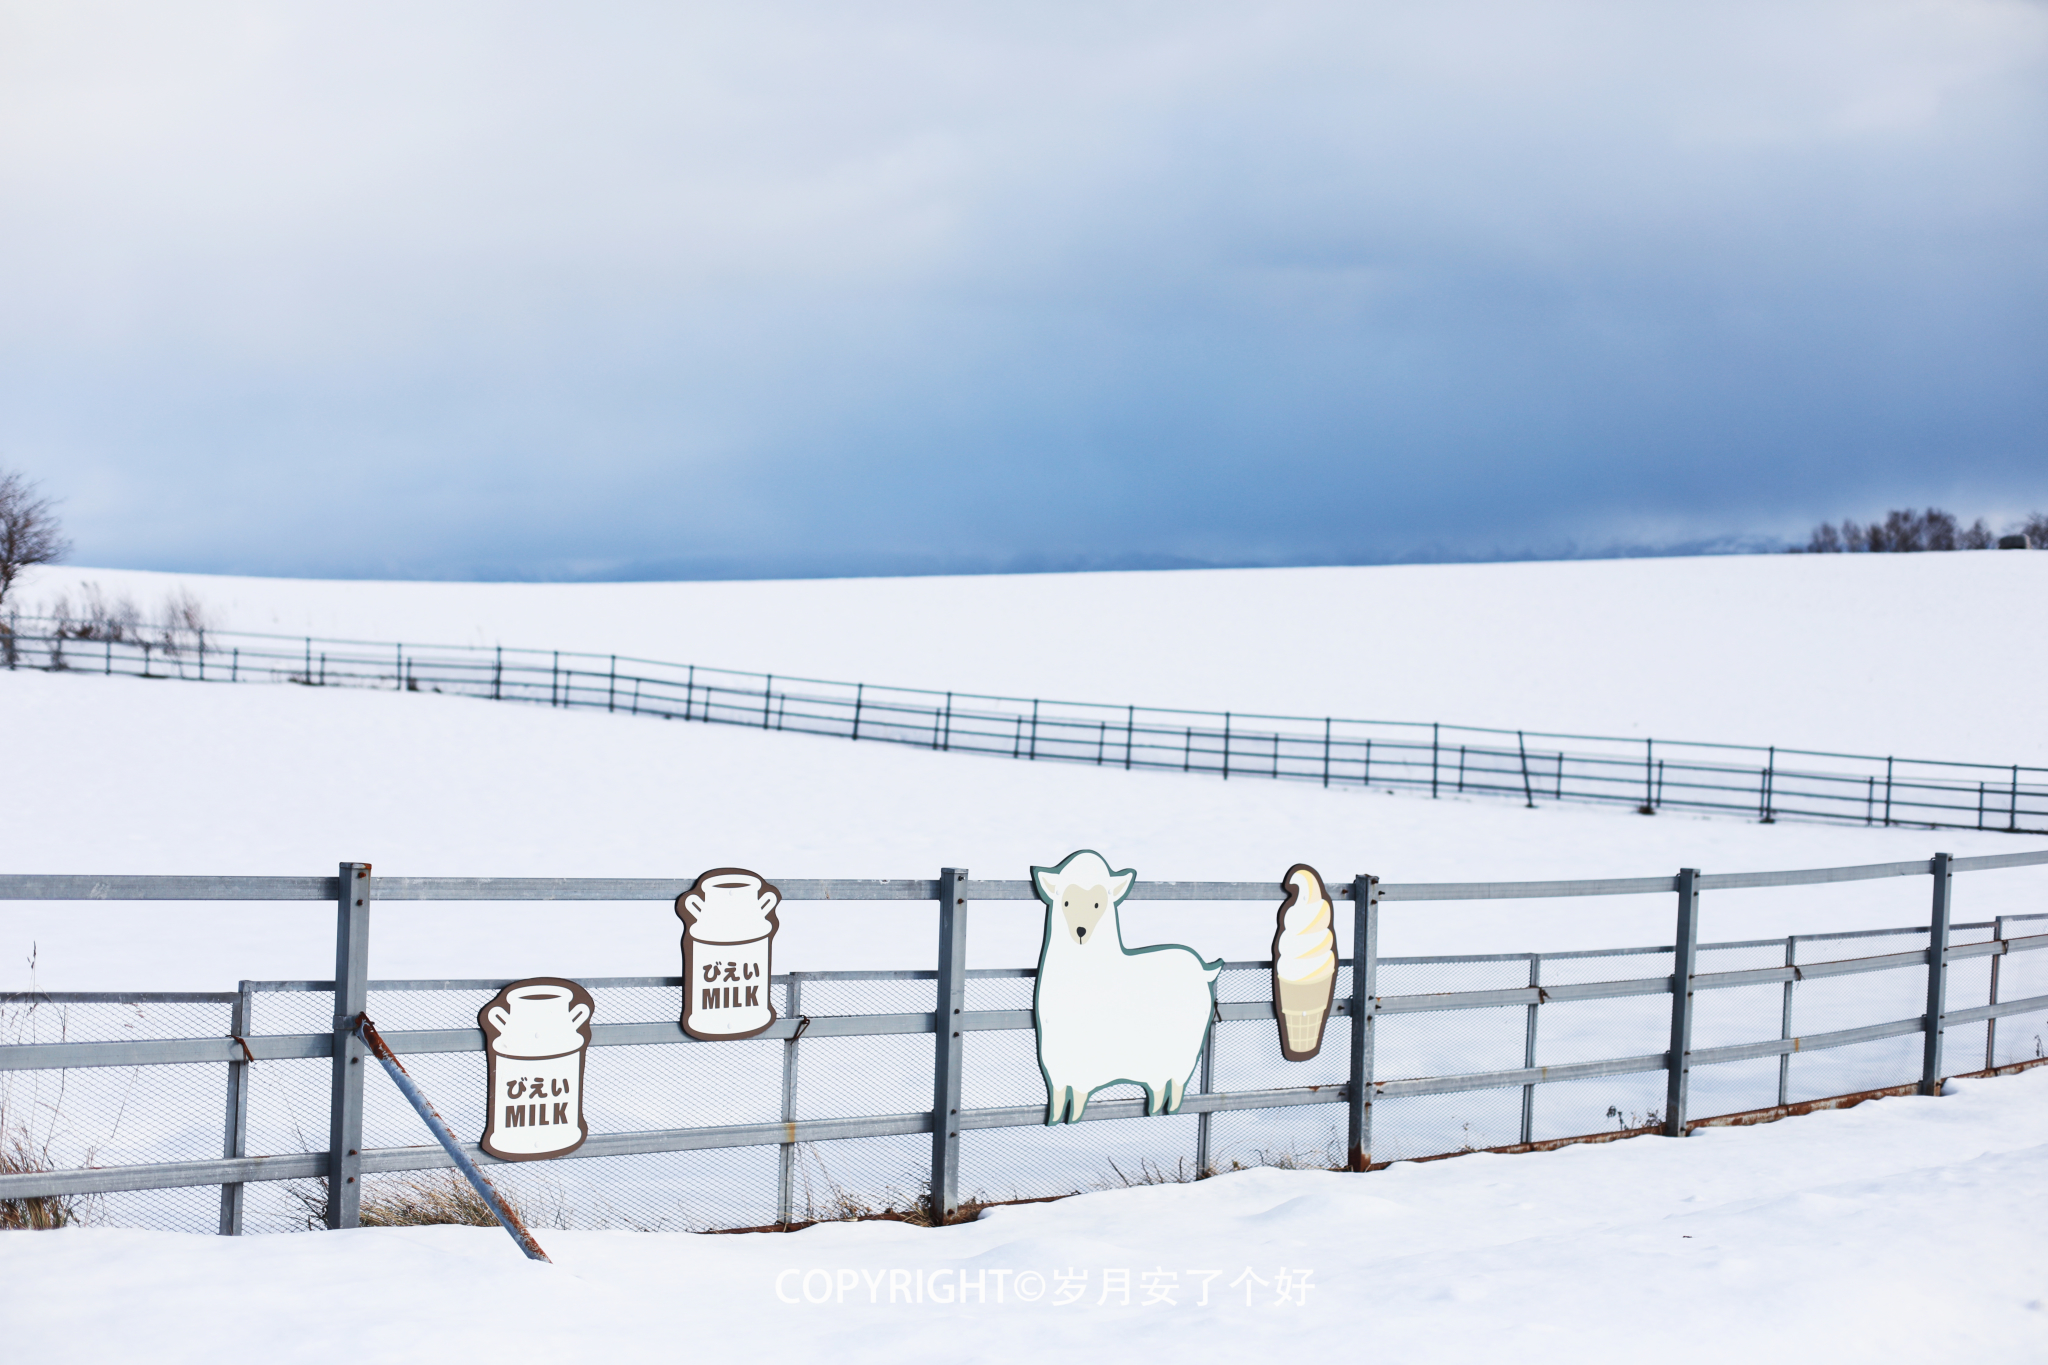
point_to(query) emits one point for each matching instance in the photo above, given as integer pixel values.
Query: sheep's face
(1081, 910)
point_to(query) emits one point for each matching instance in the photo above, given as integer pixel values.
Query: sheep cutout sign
(1106, 1013)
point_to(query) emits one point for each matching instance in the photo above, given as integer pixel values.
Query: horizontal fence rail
(1532, 766)
(1377, 1078)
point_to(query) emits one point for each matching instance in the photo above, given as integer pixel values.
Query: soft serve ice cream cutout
(1304, 964)
(729, 929)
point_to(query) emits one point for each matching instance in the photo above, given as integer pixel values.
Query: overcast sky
(517, 290)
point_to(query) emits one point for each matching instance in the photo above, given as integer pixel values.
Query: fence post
(1991, 1024)
(1937, 976)
(1130, 733)
(1434, 726)
(1521, 747)
(950, 1001)
(611, 687)
(1208, 1086)
(235, 1137)
(859, 693)
(1529, 1050)
(1684, 962)
(1365, 963)
(1765, 781)
(1785, 1023)
(351, 998)
(792, 1008)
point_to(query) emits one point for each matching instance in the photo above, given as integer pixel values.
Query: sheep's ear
(1120, 885)
(1043, 876)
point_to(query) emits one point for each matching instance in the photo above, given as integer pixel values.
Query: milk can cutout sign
(729, 929)
(1106, 1013)
(1304, 963)
(536, 1036)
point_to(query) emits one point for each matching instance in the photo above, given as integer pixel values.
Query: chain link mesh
(161, 1113)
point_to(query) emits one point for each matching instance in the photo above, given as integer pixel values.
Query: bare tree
(28, 530)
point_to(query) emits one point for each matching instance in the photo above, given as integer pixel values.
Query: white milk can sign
(536, 1036)
(729, 929)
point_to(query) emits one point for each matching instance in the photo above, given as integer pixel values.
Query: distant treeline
(1905, 531)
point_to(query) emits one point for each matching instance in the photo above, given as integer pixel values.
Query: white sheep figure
(1107, 1013)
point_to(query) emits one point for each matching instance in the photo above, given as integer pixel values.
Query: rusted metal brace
(243, 1043)
(445, 1135)
(803, 1021)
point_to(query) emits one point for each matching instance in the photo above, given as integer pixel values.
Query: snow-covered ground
(1903, 1226)
(121, 775)
(131, 776)
(1926, 655)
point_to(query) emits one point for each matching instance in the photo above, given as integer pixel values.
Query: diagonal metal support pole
(366, 1033)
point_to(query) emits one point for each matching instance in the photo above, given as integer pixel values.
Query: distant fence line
(1648, 775)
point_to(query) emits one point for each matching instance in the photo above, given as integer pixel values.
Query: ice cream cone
(1304, 1007)
(1304, 963)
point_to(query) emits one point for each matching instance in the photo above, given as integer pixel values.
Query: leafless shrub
(29, 534)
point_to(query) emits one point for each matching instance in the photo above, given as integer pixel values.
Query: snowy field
(131, 776)
(1903, 1226)
(122, 775)
(1923, 655)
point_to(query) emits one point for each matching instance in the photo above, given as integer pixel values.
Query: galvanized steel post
(1684, 964)
(1991, 1024)
(1529, 1048)
(1365, 960)
(351, 998)
(951, 1000)
(785, 1180)
(1208, 1084)
(1937, 976)
(235, 1136)
(1785, 1022)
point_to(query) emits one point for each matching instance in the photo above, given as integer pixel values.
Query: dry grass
(420, 1200)
(20, 1154)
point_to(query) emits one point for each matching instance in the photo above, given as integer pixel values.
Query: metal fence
(1648, 775)
(918, 1091)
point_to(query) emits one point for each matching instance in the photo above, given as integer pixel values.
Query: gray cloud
(502, 289)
